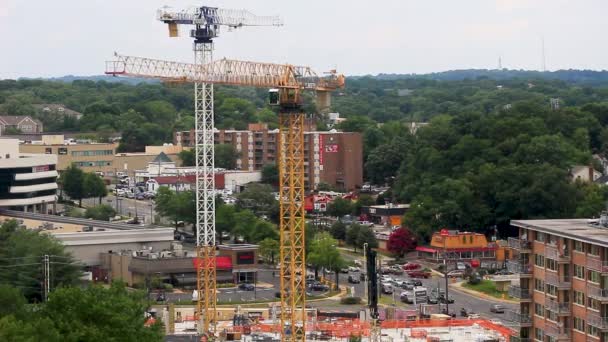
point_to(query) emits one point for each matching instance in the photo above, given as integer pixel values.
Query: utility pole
(445, 233)
(47, 273)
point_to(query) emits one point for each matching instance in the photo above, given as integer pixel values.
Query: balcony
(521, 319)
(557, 254)
(559, 281)
(597, 321)
(556, 331)
(518, 292)
(597, 293)
(516, 266)
(596, 264)
(557, 307)
(520, 245)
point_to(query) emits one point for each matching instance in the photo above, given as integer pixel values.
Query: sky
(41, 38)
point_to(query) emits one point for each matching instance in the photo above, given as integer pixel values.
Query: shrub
(168, 287)
(350, 300)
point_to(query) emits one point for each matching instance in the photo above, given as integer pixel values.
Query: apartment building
(563, 271)
(331, 157)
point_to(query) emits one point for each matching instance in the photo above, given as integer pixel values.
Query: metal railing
(518, 292)
(557, 280)
(554, 252)
(597, 321)
(555, 306)
(516, 266)
(597, 264)
(518, 317)
(519, 244)
(556, 330)
(597, 293)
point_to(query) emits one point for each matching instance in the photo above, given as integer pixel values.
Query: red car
(419, 274)
(411, 266)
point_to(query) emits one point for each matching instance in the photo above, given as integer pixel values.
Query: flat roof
(576, 229)
(238, 246)
(390, 206)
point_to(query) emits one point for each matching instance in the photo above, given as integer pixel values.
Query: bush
(225, 285)
(474, 279)
(102, 212)
(168, 287)
(350, 300)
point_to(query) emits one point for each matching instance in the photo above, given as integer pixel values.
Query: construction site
(290, 319)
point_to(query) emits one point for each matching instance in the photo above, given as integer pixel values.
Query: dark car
(319, 287)
(443, 300)
(416, 282)
(140, 184)
(246, 287)
(140, 196)
(432, 300)
(352, 279)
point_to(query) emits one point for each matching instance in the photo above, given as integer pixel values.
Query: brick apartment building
(563, 290)
(331, 157)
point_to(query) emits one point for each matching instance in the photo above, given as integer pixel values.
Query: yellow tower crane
(287, 83)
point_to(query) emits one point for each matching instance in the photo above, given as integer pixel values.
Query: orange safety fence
(349, 327)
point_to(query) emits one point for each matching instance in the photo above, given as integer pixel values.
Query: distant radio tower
(544, 65)
(499, 63)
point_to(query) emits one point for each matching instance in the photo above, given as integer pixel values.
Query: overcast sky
(42, 38)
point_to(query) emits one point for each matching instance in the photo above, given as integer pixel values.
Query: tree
(94, 186)
(339, 207)
(102, 212)
(187, 157)
(338, 230)
(363, 201)
(352, 235)
(224, 220)
(257, 198)
(225, 156)
(72, 179)
(366, 236)
(176, 206)
(324, 253)
(401, 241)
(270, 174)
(98, 314)
(12, 301)
(21, 255)
(268, 249)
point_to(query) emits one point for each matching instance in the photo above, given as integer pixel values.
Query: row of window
(592, 276)
(579, 246)
(579, 324)
(93, 163)
(541, 261)
(92, 153)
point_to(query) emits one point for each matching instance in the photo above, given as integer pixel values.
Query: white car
(119, 192)
(353, 269)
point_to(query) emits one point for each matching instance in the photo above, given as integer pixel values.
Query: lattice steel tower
(207, 22)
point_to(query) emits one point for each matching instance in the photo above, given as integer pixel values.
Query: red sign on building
(333, 148)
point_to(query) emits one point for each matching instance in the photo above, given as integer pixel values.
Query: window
(579, 246)
(48, 150)
(579, 324)
(593, 331)
(551, 315)
(552, 240)
(540, 237)
(579, 272)
(593, 276)
(539, 285)
(594, 250)
(92, 153)
(539, 260)
(551, 264)
(539, 334)
(551, 290)
(579, 298)
(63, 150)
(539, 310)
(593, 304)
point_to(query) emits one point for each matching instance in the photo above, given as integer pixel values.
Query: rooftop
(577, 229)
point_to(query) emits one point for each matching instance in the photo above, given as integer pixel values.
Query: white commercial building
(28, 182)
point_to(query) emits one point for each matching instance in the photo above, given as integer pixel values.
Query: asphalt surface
(144, 209)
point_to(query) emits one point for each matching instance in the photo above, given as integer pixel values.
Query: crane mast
(206, 21)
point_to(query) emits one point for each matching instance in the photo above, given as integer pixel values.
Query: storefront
(243, 258)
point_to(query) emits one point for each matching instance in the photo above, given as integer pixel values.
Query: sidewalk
(458, 287)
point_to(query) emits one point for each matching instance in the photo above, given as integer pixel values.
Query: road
(126, 206)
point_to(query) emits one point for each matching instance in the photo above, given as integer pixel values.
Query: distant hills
(588, 77)
(585, 77)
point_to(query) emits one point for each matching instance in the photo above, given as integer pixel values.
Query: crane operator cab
(273, 97)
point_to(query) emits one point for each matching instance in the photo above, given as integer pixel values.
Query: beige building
(25, 124)
(97, 157)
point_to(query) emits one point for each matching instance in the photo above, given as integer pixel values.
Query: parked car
(353, 279)
(140, 196)
(353, 269)
(411, 266)
(129, 194)
(246, 287)
(140, 184)
(385, 270)
(396, 270)
(432, 299)
(419, 274)
(317, 286)
(119, 192)
(416, 282)
(407, 284)
(387, 288)
(358, 263)
(461, 266)
(456, 274)
(344, 270)
(121, 186)
(497, 308)
(442, 299)
(503, 272)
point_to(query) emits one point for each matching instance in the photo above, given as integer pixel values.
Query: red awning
(221, 262)
(426, 249)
